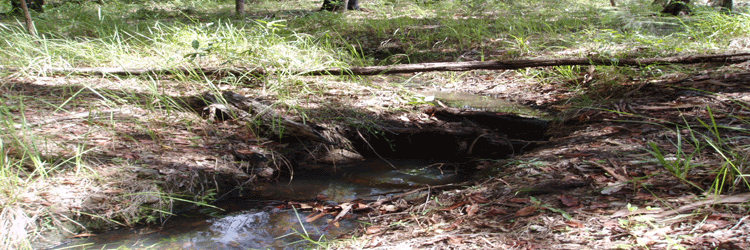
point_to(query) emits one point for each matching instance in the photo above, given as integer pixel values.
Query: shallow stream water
(255, 220)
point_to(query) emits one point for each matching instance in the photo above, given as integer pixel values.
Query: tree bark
(726, 5)
(230, 105)
(239, 7)
(417, 67)
(451, 134)
(27, 16)
(344, 6)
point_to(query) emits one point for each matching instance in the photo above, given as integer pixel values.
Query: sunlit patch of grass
(257, 43)
(14, 220)
(682, 163)
(733, 172)
(196, 33)
(26, 176)
(727, 156)
(58, 177)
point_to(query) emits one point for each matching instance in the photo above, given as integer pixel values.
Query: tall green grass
(720, 147)
(94, 37)
(14, 220)
(122, 34)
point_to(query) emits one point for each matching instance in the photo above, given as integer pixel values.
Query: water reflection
(365, 180)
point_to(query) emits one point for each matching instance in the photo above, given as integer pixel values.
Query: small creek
(255, 219)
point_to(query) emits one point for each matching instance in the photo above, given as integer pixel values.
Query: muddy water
(254, 220)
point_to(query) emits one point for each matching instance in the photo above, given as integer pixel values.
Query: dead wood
(412, 68)
(527, 63)
(231, 105)
(724, 199)
(454, 133)
(451, 134)
(380, 202)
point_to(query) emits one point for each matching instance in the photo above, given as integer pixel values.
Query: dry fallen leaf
(455, 205)
(574, 224)
(374, 230)
(478, 198)
(305, 206)
(473, 209)
(83, 235)
(569, 201)
(375, 242)
(315, 217)
(455, 240)
(389, 208)
(520, 200)
(497, 211)
(526, 211)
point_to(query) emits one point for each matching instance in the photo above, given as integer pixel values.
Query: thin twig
(373, 150)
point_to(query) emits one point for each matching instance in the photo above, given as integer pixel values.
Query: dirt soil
(594, 185)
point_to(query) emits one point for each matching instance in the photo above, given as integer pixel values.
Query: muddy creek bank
(311, 174)
(284, 214)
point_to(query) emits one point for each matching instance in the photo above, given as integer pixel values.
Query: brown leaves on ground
(621, 197)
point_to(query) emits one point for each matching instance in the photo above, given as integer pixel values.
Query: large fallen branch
(416, 67)
(231, 105)
(528, 63)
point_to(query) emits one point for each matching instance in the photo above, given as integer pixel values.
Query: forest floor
(596, 184)
(631, 163)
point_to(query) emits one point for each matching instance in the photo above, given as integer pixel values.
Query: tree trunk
(726, 5)
(240, 7)
(27, 15)
(677, 7)
(612, 2)
(344, 6)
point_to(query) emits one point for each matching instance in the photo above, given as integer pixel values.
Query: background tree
(726, 5)
(239, 7)
(335, 5)
(676, 7)
(27, 16)
(35, 5)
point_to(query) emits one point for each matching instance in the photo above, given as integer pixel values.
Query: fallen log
(451, 133)
(411, 68)
(230, 105)
(528, 63)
